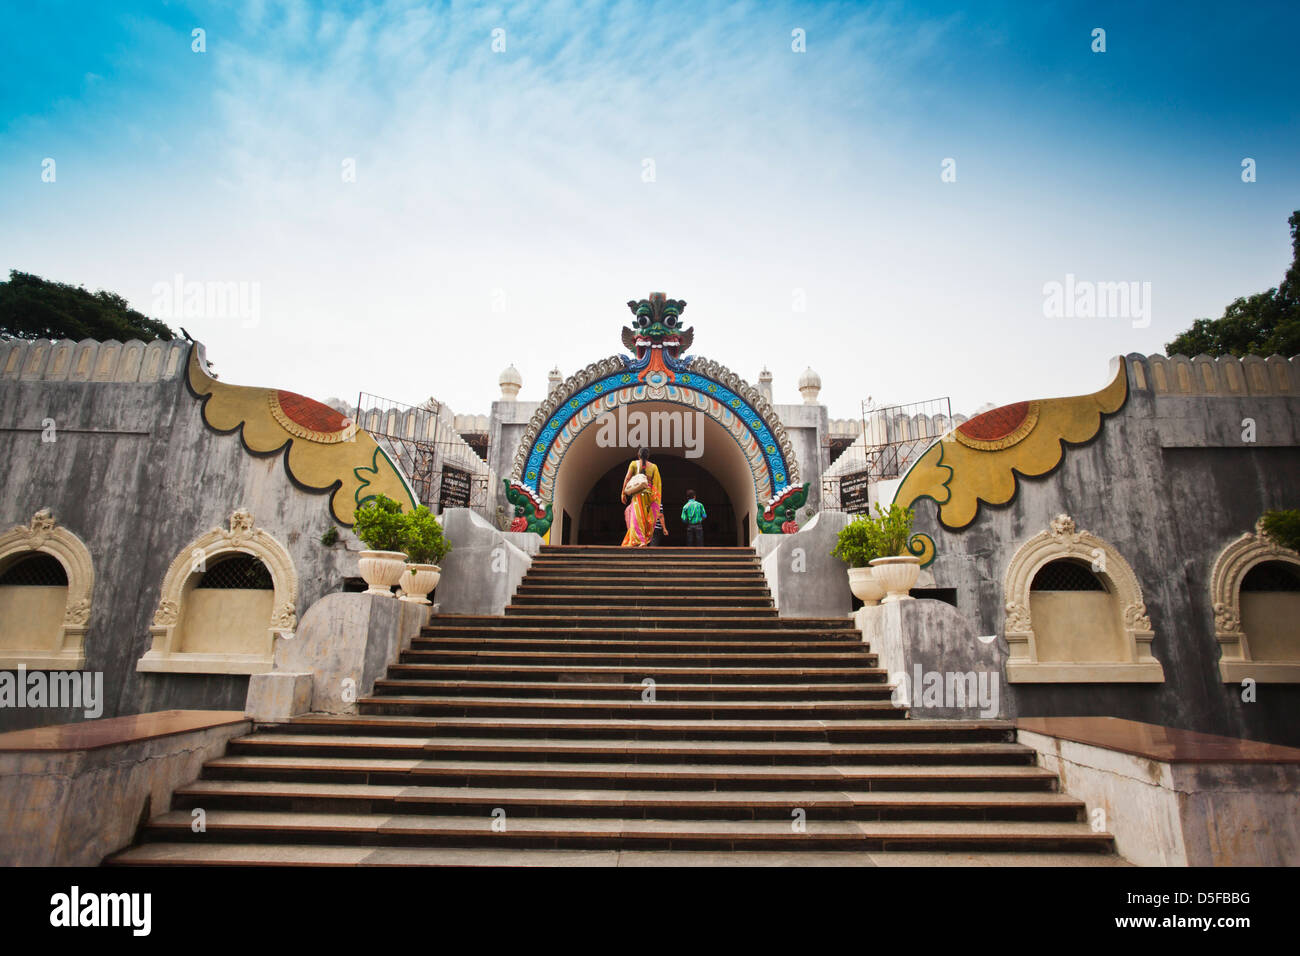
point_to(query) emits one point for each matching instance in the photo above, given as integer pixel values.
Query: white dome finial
(511, 382)
(810, 386)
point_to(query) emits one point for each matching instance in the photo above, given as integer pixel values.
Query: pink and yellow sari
(642, 513)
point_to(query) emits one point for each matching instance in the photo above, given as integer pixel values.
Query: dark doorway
(602, 512)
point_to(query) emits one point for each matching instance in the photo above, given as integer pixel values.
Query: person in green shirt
(693, 516)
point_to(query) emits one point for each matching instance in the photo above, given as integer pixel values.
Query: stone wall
(135, 473)
(1169, 481)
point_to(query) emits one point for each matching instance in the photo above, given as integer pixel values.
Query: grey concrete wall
(805, 580)
(137, 475)
(1169, 482)
(485, 565)
(352, 637)
(75, 807)
(932, 655)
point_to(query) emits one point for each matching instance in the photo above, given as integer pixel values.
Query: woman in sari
(645, 510)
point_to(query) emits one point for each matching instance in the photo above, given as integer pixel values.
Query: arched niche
(53, 637)
(172, 618)
(1279, 661)
(1098, 657)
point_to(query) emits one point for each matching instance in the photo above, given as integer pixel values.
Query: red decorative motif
(995, 423)
(790, 527)
(519, 524)
(310, 413)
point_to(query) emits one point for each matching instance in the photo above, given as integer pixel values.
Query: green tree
(35, 308)
(1263, 324)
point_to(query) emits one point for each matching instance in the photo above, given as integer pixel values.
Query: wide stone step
(280, 855)
(771, 643)
(540, 706)
(601, 574)
(702, 805)
(635, 751)
(650, 612)
(649, 603)
(479, 830)
(630, 690)
(638, 658)
(569, 728)
(602, 775)
(702, 676)
(638, 587)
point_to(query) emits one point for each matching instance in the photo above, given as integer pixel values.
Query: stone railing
(63, 360)
(1225, 375)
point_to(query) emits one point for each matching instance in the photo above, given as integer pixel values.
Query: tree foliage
(1264, 324)
(36, 308)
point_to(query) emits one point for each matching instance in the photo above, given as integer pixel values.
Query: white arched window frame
(166, 655)
(1062, 540)
(43, 535)
(1230, 569)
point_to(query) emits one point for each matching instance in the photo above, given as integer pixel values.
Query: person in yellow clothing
(646, 507)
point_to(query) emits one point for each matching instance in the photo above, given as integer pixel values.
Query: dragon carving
(657, 339)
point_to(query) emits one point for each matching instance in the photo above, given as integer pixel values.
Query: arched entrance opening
(711, 452)
(601, 518)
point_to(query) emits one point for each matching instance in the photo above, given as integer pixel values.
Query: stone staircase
(628, 701)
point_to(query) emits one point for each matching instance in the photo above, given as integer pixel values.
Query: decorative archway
(657, 372)
(1064, 540)
(166, 653)
(1234, 562)
(44, 535)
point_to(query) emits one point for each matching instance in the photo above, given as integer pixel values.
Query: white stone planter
(381, 570)
(865, 587)
(897, 576)
(418, 580)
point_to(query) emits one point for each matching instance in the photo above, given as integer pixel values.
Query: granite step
(568, 728)
(635, 751)
(378, 829)
(431, 705)
(634, 689)
(542, 673)
(578, 775)
(704, 805)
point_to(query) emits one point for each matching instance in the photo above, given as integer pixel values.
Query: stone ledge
(1175, 797)
(70, 795)
(1085, 672)
(113, 731)
(1155, 742)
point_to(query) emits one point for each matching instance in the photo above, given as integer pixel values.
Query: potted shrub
(896, 570)
(379, 524)
(855, 545)
(425, 546)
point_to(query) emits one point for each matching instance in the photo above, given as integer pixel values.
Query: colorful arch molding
(323, 450)
(705, 386)
(981, 460)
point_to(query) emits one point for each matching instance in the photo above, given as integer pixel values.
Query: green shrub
(883, 536)
(380, 524)
(422, 537)
(330, 536)
(893, 529)
(855, 544)
(1283, 528)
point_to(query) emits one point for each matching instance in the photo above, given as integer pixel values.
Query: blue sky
(500, 211)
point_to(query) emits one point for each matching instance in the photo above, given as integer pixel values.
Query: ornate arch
(1063, 540)
(241, 537)
(1230, 569)
(704, 386)
(43, 534)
